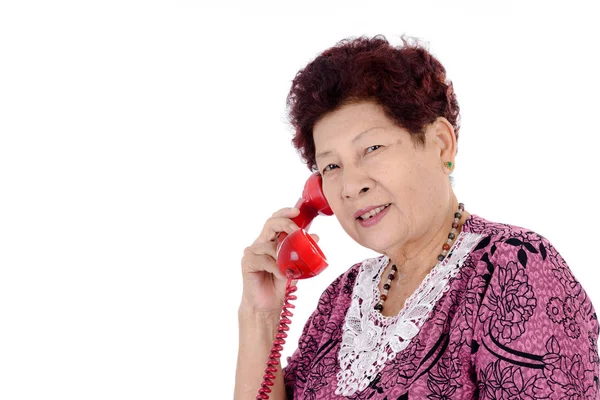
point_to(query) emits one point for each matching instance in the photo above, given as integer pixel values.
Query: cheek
(332, 197)
(326, 188)
(405, 180)
(420, 175)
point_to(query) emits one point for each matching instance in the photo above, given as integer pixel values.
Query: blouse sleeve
(536, 331)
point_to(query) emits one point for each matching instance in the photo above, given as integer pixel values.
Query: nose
(355, 183)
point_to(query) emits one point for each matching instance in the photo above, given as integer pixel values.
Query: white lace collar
(370, 339)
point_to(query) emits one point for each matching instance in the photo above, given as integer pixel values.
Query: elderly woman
(456, 306)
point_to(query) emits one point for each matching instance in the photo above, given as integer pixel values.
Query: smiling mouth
(373, 212)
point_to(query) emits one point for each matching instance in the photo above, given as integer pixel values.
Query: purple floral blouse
(501, 318)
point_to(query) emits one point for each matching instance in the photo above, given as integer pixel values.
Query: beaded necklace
(441, 257)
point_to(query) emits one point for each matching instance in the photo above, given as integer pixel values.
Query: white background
(144, 144)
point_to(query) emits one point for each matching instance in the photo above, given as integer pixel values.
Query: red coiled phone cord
(275, 355)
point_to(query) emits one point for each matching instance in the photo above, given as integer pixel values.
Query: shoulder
(520, 277)
(503, 241)
(509, 255)
(496, 230)
(526, 283)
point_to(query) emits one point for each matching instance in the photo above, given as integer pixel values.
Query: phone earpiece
(298, 255)
(313, 192)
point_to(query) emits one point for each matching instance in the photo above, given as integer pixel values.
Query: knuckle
(271, 222)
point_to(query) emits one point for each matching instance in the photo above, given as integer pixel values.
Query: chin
(379, 240)
(378, 243)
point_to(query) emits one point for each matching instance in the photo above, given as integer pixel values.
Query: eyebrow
(328, 152)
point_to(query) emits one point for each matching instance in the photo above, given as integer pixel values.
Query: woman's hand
(263, 282)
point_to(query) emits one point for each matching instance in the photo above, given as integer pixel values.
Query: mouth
(373, 212)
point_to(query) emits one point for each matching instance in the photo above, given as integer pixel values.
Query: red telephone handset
(298, 257)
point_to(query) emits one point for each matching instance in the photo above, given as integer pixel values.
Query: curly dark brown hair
(407, 81)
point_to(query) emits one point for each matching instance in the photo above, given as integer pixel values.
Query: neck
(418, 257)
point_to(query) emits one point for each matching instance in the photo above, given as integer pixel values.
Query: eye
(372, 148)
(329, 167)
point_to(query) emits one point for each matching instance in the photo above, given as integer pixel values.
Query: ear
(444, 138)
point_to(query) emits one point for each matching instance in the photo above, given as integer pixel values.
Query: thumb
(315, 237)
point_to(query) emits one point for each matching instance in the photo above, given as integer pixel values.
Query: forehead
(349, 120)
(348, 124)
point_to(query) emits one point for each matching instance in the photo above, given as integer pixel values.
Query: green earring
(449, 164)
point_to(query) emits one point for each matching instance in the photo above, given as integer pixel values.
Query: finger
(287, 212)
(266, 248)
(274, 226)
(274, 231)
(315, 237)
(252, 262)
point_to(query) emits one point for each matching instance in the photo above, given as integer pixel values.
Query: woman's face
(368, 163)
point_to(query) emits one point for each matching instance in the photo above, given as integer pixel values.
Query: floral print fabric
(513, 324)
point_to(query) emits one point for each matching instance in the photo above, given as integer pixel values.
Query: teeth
(373, 212)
